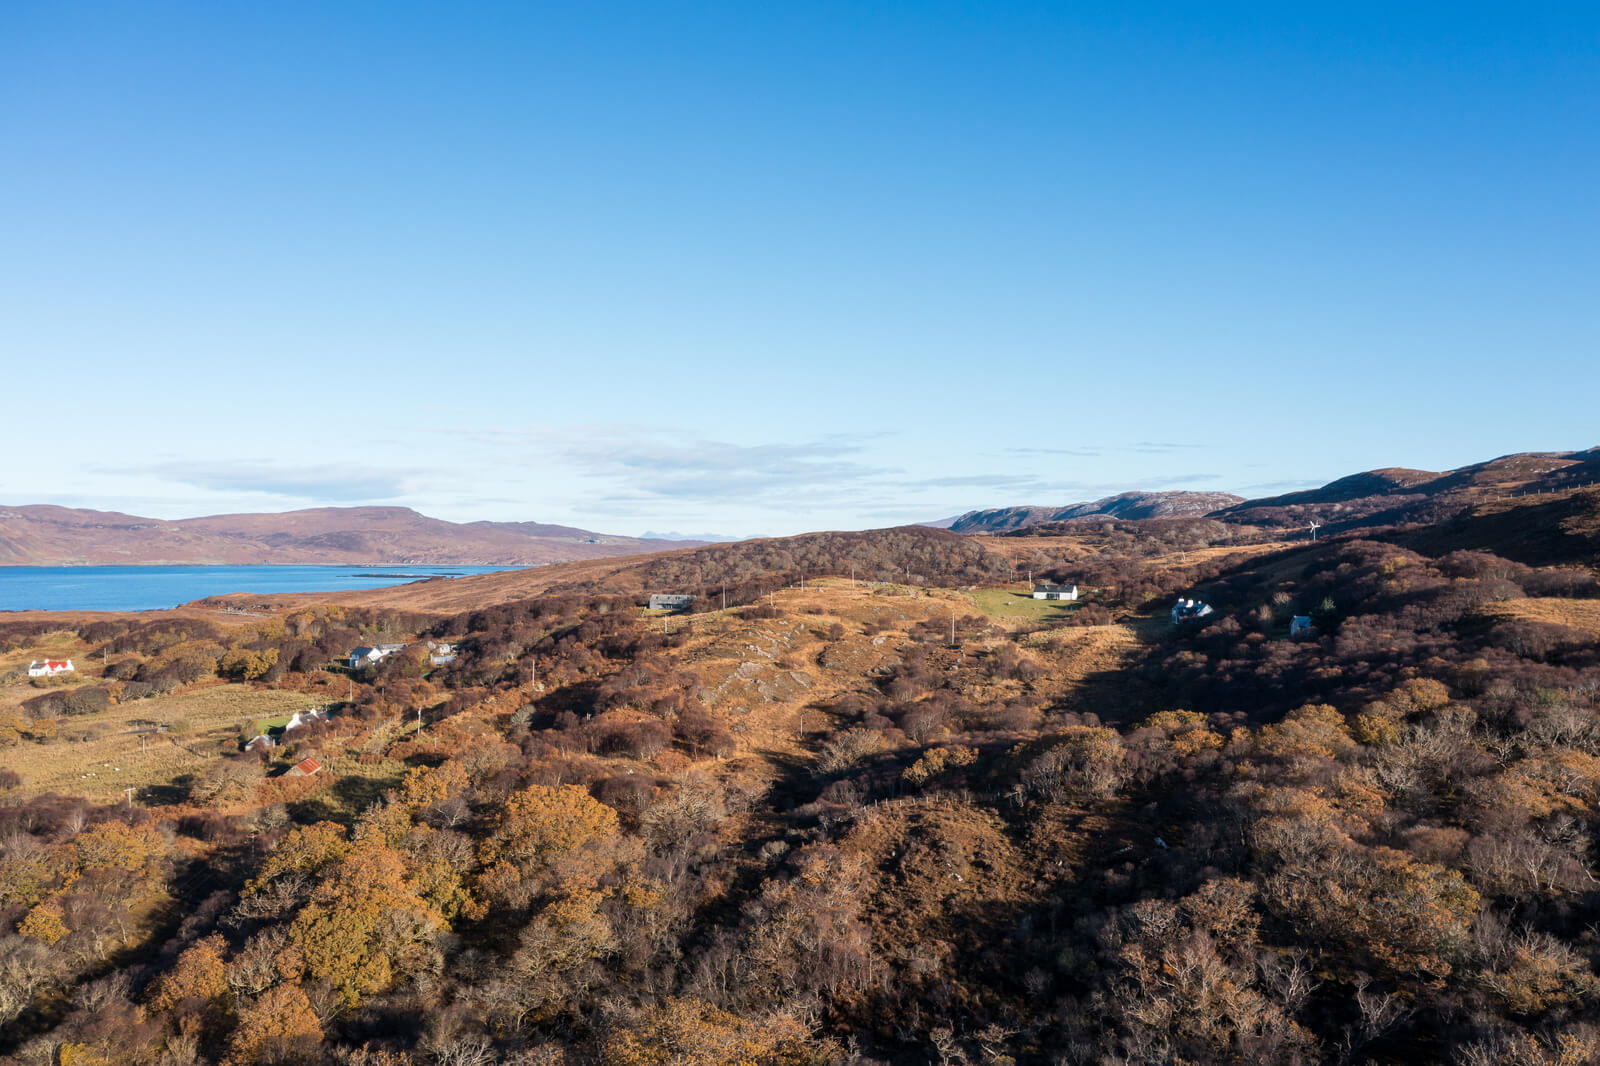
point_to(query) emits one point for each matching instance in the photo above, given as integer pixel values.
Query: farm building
(50, 667)
(1189, 611)
(261, 742)
(1300, 623)
(1046, 591)
(365, 656)
(668, 601)
(304, 768)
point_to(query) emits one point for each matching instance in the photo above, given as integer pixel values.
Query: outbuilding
(304, 768)
(669, 601)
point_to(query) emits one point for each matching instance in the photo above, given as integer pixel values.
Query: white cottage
(1046, 591)
(301, 718)
(365, 656)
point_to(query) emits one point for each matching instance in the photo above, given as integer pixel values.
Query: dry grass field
(1243, 551)
(1579, 614)
(113, 755)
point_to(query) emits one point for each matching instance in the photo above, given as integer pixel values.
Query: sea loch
(146, 588)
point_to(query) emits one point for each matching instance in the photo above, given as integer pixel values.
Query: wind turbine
(1314, 528)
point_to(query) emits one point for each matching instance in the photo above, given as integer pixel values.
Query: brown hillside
(1563, 528)
(905, 553)
(1400, 496)
(348, 536)
(868, 823)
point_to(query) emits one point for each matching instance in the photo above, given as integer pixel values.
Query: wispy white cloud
(655, 465)
(322, 483)
(1148, 447)
(1095, 451)
(1273, 487)
(1079, 490)
(1081, 453)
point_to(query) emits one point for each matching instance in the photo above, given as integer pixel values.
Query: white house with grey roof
(1189, 611)
(365, 656)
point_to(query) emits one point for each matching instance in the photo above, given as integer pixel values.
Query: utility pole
(952, 627)
(724, 597)
(419, 718)
(130, 792)
(852, 577)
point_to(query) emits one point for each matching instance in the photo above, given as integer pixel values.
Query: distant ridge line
(47, 535)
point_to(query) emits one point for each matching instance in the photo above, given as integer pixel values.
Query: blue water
(146, 588)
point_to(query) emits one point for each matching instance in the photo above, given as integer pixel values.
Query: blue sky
(767, 268)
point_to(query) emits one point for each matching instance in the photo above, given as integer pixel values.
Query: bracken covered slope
(1398, 496)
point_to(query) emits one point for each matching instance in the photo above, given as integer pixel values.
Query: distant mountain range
(1127, 505)
(378, 536)
(1391, 496)
(348, 536)
(699, 538)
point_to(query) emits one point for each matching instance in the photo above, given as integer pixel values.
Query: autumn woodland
(843, 809)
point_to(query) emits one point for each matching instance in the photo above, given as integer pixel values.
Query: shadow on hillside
(165, 795)
(344, 802)
(1121, 695)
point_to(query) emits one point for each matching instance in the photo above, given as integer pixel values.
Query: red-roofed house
(304, 768)
(50, 668)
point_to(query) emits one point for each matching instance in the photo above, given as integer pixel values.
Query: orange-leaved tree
(199, 976)
(365, 924)
(541, 825)
(278, 1025)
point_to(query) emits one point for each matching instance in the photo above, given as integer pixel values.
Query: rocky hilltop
(1130, 505)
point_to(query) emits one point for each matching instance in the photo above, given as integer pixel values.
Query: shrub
(936, 761)
(704, 735)
(849, 748)
(638, 739)
(1082, 762)
(86, 700)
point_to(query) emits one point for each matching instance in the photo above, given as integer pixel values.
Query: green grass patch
(1014, 603)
